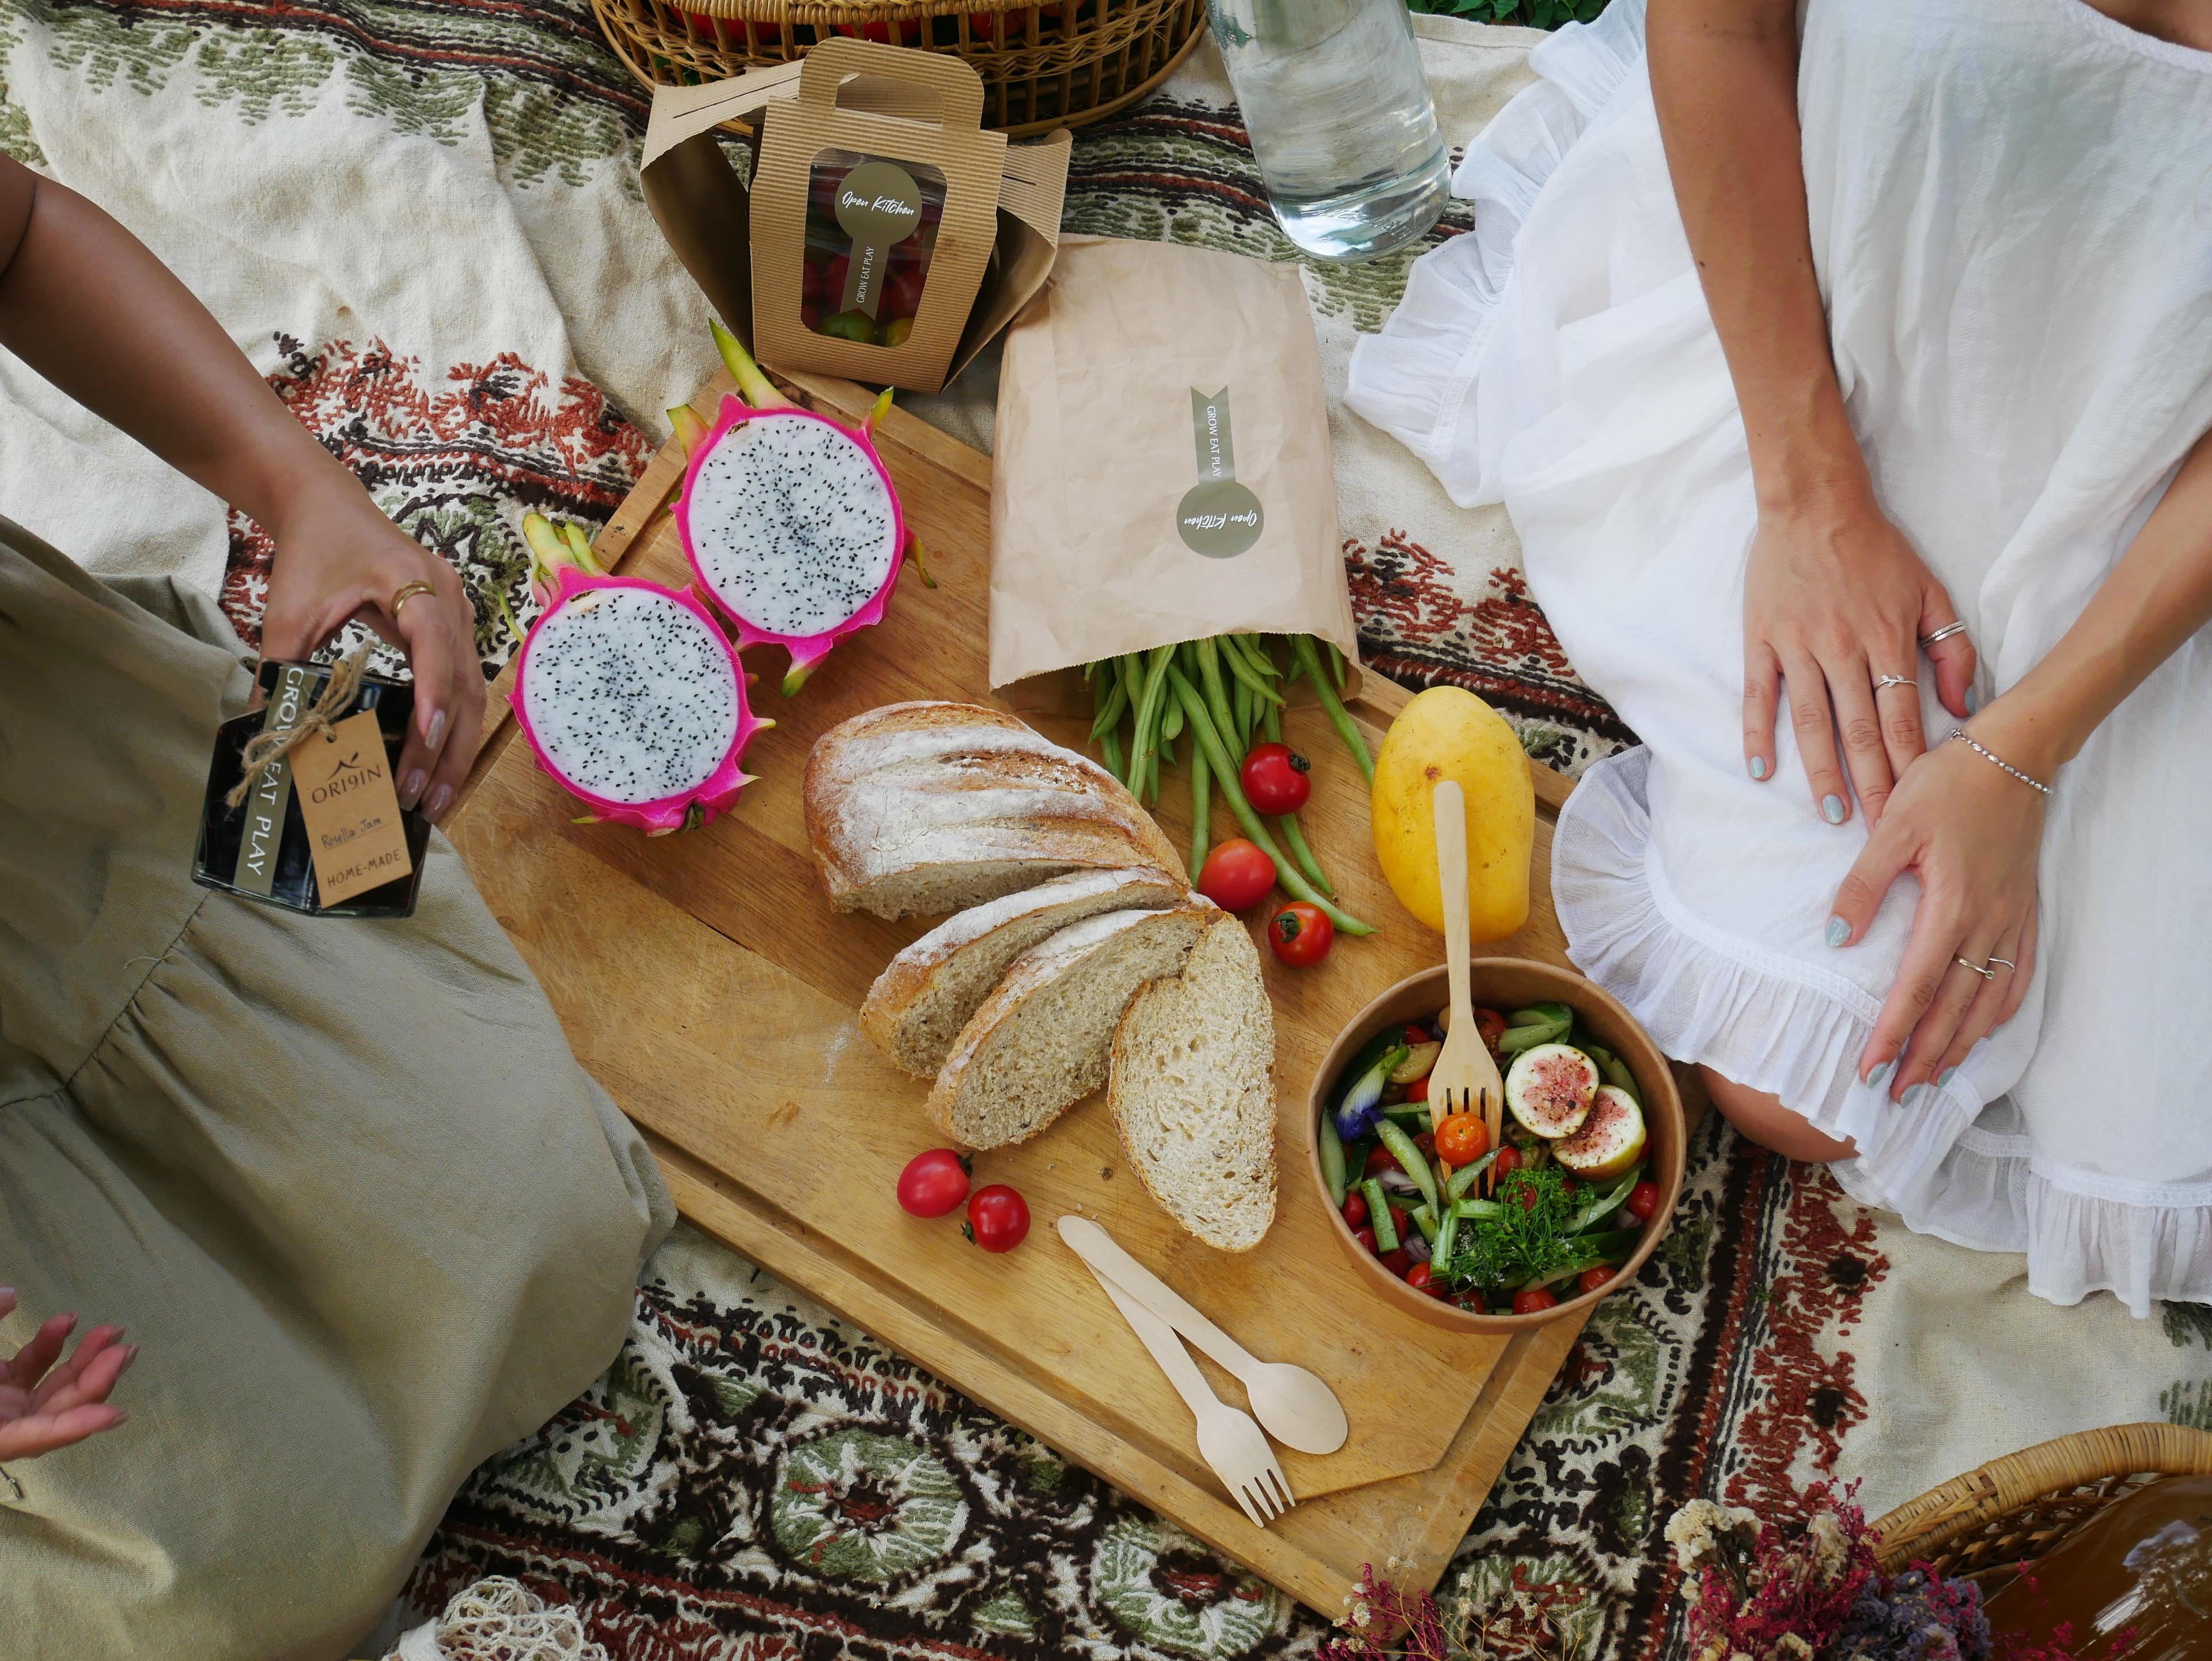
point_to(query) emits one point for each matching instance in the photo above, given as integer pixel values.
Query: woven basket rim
(1925, 1525)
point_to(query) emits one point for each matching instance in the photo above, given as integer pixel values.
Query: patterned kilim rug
(420, 218)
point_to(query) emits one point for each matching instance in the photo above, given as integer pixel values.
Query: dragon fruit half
(790, 520)
(633, 699)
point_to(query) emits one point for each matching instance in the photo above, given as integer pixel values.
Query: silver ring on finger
(1883, 682)
(1944, 633)
(1982, 969)
(2006, 961)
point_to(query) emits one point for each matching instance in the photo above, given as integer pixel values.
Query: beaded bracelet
(2033, 784)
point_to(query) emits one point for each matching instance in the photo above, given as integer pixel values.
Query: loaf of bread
(918, 1005)
(1039, 1043)
(1193, 1093)
(918, 808)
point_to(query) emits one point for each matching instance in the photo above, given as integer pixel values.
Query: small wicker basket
(2014, 1509)
(1045, 63)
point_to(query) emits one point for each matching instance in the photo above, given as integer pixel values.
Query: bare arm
(86, 305)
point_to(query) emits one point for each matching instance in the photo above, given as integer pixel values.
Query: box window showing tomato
(871, 230)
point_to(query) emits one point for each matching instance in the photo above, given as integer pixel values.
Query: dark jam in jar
(259, 849)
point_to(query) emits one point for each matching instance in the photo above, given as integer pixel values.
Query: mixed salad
(1566, 1201)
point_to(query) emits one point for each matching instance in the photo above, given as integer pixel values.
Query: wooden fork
(1464, 1079)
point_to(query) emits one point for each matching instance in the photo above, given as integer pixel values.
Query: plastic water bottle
(1341, 120)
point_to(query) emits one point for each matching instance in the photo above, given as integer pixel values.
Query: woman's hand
(339, 559)
(44, 1407)
(1972, 833)
(1835, 598)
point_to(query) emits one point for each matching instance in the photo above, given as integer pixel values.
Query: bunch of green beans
(1223, 693)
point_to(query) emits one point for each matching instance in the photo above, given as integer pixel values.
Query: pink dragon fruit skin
(806, 650)
(700, 804)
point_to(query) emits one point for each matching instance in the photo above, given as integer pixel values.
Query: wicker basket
(2014, 1509)
(1059, 64)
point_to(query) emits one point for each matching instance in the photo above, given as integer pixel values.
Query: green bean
(1447, 1239)
(1108, 703)
(1255, 654)
(1302, 648)
(1202, 824)
(1292, 880)
(1378, 1216)
(1335, 663)
(1237, 666)
(1217, 699)
(1297, 840)
(1171, 719)
(1464, 1178)
(1111, 745)
(1332, 1158)
(1408, 1156)
(1240, 706)
(1271, 723)
(1144, 761)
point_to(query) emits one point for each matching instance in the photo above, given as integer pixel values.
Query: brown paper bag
(1161, 469)
(955, 233)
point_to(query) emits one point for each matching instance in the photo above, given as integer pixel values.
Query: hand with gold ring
(339, 560)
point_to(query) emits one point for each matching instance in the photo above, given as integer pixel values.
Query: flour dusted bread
(924, 807)
(1039, 1043)
(918, 1004)
(1193, 1091)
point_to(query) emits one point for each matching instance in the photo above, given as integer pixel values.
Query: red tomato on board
(1301, 934)
(1533, 1300)
(997, 1218)
(1591, 1279)
(1237, 876)
(1274, 778)
(1643, 1201)
(1355, 1211)
(933, 1183)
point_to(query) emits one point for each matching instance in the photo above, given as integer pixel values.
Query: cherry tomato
(1569, 1187)
(933, 1183)
(1380, 1160)
(1397, 1262)
(1527, 1199)
(1398, 1221)
(1591, 1279)
(1237, 876)
(1420, 1277)
(902, 294)
(1418, 1090)
(1508, 1162)
(1366, 1238)
(1415, 1035)
(1643, 1201)
(1426, 1142)
(1462, 1139)
(1274, 778)
(1536, 1297)
(1355, 1210)
(1301, 934)
(997, 1218)
(1490, 1024)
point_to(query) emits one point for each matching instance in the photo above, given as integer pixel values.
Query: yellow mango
(1449, 733)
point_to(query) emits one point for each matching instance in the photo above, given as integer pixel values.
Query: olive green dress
(342, 1180)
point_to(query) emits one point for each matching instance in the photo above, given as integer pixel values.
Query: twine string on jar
(266, 748)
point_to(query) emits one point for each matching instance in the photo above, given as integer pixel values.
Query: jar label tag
(879, 205)
(352, 810)
(1218, 517)
(272, 791)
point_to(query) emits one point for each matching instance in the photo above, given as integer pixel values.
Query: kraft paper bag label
(264, 808)
(877, 206)
(1218, 517)
(352, 810)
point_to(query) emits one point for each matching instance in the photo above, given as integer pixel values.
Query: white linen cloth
(2011, 213)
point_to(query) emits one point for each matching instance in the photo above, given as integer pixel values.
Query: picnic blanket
(421, 219)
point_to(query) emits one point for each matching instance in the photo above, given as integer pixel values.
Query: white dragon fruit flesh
(633, 699)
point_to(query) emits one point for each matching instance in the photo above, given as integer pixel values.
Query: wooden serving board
(704, 980)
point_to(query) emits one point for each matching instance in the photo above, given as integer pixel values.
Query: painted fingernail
(441, 800)
(434, 733)
(1831, 809)
(1973, 700)
(410, 787)
(1839, 931)
(1915, 1096)
(1946, 1076)
(1758, 767)
(1880, 1073)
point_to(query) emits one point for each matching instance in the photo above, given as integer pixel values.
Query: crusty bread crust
(915, 786)
(915, 971)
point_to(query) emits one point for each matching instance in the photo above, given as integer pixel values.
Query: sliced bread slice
(922, 808)
(919, 1004)
(1038, 1044)
(1193, 1091)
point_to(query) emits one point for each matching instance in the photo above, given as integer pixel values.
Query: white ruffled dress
(2011, 208)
